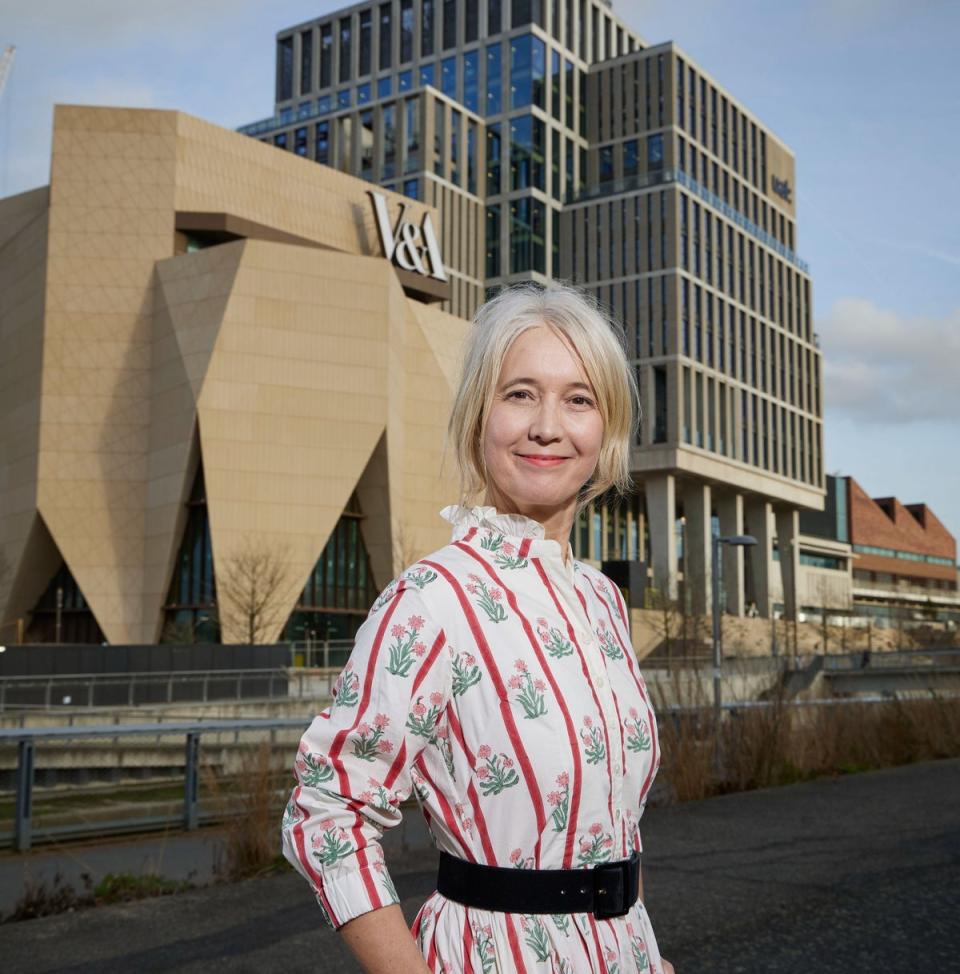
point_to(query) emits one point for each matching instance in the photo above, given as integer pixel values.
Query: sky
(864, 92)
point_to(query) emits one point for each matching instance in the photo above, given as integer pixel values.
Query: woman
(495, 679)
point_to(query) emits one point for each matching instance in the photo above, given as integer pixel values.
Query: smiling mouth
(540, 460)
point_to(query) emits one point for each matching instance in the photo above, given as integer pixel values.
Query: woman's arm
(382, 943)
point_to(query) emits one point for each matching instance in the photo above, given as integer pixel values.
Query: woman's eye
(581, 401)
(519, 393)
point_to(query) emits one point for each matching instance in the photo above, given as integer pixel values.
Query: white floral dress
(496, 681)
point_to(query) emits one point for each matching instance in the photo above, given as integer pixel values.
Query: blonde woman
(495, 680)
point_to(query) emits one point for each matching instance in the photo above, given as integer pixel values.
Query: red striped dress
(496, 682)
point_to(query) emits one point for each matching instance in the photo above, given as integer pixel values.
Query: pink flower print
(608, 841)
(328, 823)
(515, 856)
(397, 630)
(470, 660)
(596, 828)
(629, 929)
(385, 747)
(415, 623)
(483, 773)
(381, 721)
(303, 749)
(442, 731)
(542, 623)
(523, 919)
(507, 548)
(514, 682)
(633, 713)
(540, 685)
(419, 649)
(418, 709)
(363, 729)
(373, 782)
(553, 798)
(484, 752)
(474, 578)
(436, 698)
(315, 840)
(584, 845)
(496, 594)
(611, 955)
(506, 762)
(563, 779)
(366, 797)
(468, 825)
(588, 722)
(472, 589)
(520, 666)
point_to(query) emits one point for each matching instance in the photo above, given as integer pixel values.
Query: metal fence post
(21, 825)
(190, 777)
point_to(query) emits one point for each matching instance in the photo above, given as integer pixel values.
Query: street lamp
(736, 540)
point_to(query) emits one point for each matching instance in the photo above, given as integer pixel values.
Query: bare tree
(251, 588)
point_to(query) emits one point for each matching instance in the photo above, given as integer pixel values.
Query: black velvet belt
(606, 890)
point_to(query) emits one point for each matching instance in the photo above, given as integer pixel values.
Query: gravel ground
(852, 874)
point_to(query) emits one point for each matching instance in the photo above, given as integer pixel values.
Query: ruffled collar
(515, 527)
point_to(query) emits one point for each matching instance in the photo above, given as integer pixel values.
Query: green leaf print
(466, 673)
(535, 935)
(313, 769)
(496, 772)
(488, 598)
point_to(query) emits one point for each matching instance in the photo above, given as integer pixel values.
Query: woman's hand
(667, 966)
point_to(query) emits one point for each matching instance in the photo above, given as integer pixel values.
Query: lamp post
(737, 540)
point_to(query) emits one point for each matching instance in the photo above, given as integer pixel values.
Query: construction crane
(6, 61)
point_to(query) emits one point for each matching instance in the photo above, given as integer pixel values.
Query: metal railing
(921, 659)
(22, 835)
(60, 690)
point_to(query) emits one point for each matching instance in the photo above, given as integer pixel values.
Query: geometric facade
(181, 295)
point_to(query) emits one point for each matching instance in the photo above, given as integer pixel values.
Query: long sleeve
(353, 766)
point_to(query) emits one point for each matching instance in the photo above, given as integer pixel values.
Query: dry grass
(251, 806)
(780, 744)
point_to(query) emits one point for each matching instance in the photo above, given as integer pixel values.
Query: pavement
(854, 874)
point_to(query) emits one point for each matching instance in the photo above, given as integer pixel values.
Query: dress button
(600, 681)
(616, 768)
(618, 814)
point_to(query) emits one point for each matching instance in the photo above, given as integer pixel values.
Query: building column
(758, 515)
(697, 543)
(788, 547)
(661, 495)
(730, 512)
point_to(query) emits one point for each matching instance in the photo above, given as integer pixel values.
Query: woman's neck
(557, 521)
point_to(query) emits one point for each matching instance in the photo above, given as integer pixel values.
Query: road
(853, 874)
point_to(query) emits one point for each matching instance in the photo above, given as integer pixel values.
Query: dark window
(494, 154)
(326, 55)
(280, 141)
(471, 156)
(386, 36)
(526, 152)
(471, 80)
(366, 145)
(323, 142)
(306, 62)
(300, 141)
(448, 76)
(345, 49)
(527, 70)
(630, 160)
(555, 109)
(527, 218)
(526, 12)
(426, 74)
(494, 82)
(385, 87)
(659, 404)
(406, 31)
(412, 135)
(285, 69)
(389, 142)
(493, 240)
(655, 152)
(366, 42)
(606, 164)
(494, 16)
(455, 147)
(426, 28)
(411, 188)
(77, 622)
(449, 24)
(471, 25)
(363, 93)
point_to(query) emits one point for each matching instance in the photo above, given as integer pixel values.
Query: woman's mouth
(541, 460)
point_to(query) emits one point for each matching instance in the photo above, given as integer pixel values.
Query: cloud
(882, 367)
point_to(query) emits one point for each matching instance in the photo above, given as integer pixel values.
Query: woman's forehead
(542, 352)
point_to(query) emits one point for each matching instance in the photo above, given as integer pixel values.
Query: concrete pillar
(758, 516)
(661, 494)
(730, 513)
(788, 530)
(697, 541)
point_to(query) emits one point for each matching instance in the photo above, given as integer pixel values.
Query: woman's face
(544, 431)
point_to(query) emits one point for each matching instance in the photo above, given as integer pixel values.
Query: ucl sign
(411, 247)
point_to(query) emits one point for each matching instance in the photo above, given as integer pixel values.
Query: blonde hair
(598, 342)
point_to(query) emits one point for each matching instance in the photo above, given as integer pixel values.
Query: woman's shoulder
(427, 579)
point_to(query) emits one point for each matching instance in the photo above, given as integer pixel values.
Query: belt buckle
(611, 886)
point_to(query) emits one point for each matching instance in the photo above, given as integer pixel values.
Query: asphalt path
(855, 874)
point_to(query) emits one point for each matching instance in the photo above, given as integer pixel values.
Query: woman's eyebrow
(523, 380)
